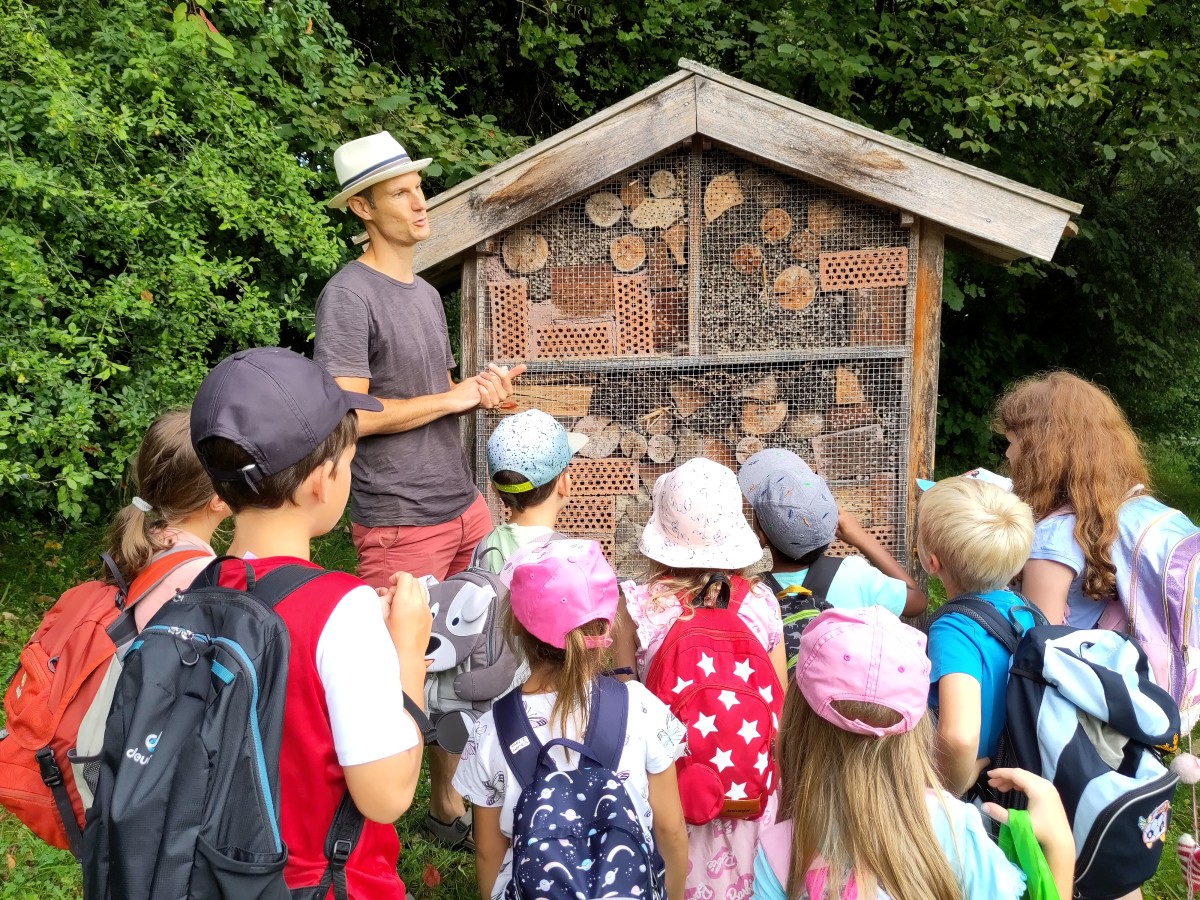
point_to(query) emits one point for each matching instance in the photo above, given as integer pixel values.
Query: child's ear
(929, 562)
(217, 506)
(316, 485)
(563, 487)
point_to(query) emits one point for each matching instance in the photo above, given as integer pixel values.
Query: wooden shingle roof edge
(1000, 218)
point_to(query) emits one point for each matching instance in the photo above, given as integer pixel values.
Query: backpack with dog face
(719, 681)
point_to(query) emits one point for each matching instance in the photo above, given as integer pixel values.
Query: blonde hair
(1076, 450)
(575, 666)
(981, 533)
(834, 787)
(670, 587)
(168, 476)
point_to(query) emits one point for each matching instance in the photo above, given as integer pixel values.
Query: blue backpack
(576, 834)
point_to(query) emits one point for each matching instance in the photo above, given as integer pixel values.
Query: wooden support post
(927, 327)
(472, 297)
(695, 216)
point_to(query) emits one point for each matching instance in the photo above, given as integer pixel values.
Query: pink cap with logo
(867, 655)
(555, 586)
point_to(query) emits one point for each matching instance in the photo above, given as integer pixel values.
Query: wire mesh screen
(704, 305)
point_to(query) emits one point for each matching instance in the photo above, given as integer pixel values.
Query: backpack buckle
(341, 851)
(50, 772)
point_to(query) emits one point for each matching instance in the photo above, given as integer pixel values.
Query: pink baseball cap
(868, 655)
(556, 586)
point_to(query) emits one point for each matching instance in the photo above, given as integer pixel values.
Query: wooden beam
(927, 334)
(649, 123)
(471, 300)
(850, 158)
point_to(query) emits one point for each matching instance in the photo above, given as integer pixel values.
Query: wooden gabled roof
(1003, 219)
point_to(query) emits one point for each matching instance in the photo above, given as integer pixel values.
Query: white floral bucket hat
(697, 522)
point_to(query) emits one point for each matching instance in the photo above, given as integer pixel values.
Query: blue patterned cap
(532, 444)
(791, 502)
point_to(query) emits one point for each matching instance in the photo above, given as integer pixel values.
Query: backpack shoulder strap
(280, 583)
(340, 840)
(160, 568)
(771, 582)
(821, 573)
(985, 616)
(520, 745)
(608, 721)
(739, 590)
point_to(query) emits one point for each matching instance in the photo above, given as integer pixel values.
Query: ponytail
(171, 485)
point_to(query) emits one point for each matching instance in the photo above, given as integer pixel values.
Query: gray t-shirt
(372, 326)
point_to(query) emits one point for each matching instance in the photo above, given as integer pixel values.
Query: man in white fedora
(382, 330)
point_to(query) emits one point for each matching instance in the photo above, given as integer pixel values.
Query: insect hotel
(709, 269)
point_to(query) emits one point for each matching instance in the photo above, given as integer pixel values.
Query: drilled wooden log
(663, 184)
(824, 216)
(775, 225)
(765, 390)
(747, 259)
(603, 436)
(806, 424)
(689, 444)
(805, 247)
(604, 209)
(722, 194)
(633, 444)
(660, 448)
(763, 418)
(748, 446)
(719, 452)
(658, 421)
(633, 194)
(524, 251)
(657, 213)
(675, 238)
(688, 398)
(628, 252)
(795, 288)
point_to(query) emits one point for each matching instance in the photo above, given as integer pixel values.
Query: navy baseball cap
(273, 403)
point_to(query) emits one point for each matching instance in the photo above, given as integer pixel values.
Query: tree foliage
(160, 206)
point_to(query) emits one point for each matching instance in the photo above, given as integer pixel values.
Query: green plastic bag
(1022, 849)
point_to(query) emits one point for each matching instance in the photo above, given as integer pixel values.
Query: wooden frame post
(927, 333)
(472, 296)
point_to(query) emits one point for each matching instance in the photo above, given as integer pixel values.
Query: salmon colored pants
(437, 550)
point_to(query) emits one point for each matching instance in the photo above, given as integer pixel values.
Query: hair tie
(141, 504)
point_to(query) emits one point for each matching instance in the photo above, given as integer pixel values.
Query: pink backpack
(718, 680)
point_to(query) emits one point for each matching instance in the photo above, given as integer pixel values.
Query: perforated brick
(606, 541)
(603, 477)
(857, 499)
(635, 316)
(885, 534)
(864, 268)
(578, 339)
(588, 514)
(510, 319)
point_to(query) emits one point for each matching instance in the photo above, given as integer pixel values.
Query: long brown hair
(1076, 450)
(669, 586)
(835, 785)
(575, 666)
(169, 478)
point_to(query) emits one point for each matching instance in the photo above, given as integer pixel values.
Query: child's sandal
(457, 835)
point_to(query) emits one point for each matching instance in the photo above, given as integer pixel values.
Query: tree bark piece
(824, 216)
(776, 225)
(628, 252)
(689, 398)
(633, 194)
(748, 446)
(660, 448)
(806, 247)
(524, 251)
(846, 388)
(633, 444)
(765, 390)
(675, 238)
(657, 213)
(603, 436)
(663, 184)
(722, 194)
(806, 424)
(604, 209)
(747, 259)
(795, 287)
(763, 418)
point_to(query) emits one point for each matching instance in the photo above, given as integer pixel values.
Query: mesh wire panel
(704, 305)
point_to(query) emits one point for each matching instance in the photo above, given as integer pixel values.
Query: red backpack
(718, 680)
(64, 671)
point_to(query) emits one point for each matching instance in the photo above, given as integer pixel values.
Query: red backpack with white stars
(718, 681)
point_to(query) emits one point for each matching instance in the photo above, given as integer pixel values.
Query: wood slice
(603, 436)
(660, 448)
(663, 184)
(656, 213)
(748, 446)
(604, 209)
(794, 287)
(747, 259)
(842, 417)
(719, 452)
(722, 194)
(633, 194)
(806, 424)
(559, 400)
(675, 238)
(628, 252)
(806, 247)
(769, 190)
(776, 225)
(658, 421)
(689, 398)
(763, 418)
(824, 216)
(689, 444)
(765, 390)
(524, 251)
(846, 388)
(633, 444)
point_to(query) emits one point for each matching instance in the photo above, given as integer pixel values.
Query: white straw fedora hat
(370, 160)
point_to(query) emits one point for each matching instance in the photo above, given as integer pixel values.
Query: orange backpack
(63, 677)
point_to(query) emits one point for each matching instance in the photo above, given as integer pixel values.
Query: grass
(36, 566)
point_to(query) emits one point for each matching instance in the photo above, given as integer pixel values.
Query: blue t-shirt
(856, 584)
(959, 646)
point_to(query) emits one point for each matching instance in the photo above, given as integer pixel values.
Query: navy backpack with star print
(719, 681)
(576, 834)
